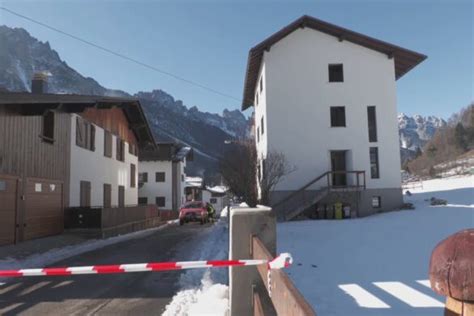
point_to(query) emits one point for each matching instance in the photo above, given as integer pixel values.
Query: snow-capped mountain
(22, 55)
(416, 131)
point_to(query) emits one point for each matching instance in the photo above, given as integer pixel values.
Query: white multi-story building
(325, 97)
(162, 176)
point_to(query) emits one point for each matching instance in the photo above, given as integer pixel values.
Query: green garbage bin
(338, 210)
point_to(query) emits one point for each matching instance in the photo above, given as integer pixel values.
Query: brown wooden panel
(286, 298)
(8, 208)
(113, 120)
(23, 152)
(44, 214)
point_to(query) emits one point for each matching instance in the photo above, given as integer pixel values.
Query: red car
(195, 211)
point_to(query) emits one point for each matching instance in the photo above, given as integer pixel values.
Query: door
(8, 209)
(44, 211)
(338, 163)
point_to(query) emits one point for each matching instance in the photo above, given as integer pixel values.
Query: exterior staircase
(314, 191)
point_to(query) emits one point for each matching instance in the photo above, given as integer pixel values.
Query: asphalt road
(119, 294)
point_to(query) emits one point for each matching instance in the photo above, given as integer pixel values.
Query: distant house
(325, 97)
(59, 151)
(193, 188)
(162, 176)
(217, 196)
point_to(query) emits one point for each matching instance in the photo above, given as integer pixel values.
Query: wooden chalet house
(60, 151)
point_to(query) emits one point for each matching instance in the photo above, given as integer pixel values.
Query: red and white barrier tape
(282, 261)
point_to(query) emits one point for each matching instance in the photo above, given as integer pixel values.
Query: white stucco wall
(297, 99)
(153, 189)
(94, 167)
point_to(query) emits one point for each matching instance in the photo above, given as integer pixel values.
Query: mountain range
(22, 55)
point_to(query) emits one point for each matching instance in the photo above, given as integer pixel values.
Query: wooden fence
(117, 220)
(285, 297)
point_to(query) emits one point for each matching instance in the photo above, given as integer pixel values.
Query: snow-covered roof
(195, 182)
(217, 189)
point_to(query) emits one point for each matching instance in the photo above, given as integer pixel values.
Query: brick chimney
(39, 83)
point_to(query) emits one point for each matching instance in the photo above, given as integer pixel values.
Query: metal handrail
(326, 174)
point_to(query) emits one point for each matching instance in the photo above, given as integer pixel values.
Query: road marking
(10, 308)
(363, 297)
(408, 295)
(425, 283)
(34, 287)
(9, 288)
(63, 283)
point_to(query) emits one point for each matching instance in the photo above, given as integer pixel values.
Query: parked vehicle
(195, 211)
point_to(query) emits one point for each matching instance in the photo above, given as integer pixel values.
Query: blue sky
(208, 42)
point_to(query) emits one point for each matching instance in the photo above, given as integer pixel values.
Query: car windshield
(193, 205)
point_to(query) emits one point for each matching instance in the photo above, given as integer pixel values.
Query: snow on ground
(378, 265)
(204, 291)
(39, 260)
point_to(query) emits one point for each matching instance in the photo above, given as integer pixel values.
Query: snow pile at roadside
(43, 259)
(204, 291)
(377, 265)
(208, 299)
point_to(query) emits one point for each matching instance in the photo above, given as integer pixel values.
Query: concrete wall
(296, 101)
(245, 222)
(98, 169)
(391, 199)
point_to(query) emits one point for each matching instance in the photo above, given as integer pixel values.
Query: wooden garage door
(44, 213)
(8, 206)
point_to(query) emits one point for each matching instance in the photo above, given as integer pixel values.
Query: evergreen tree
(460, 136)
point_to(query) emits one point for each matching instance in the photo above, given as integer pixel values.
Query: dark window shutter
(92, 137)
(121, 196)
(80, 132)
(107, 195)
(85, 194)
(133, 175)
(107, 144)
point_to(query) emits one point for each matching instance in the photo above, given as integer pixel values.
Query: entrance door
(338, 163)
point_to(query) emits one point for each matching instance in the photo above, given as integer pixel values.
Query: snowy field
(204, 292)
(378, 265)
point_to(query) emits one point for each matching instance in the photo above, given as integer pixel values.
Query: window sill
(47, 139)
(338, 126)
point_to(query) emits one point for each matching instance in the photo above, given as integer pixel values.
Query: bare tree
(274, 167)
(238, 169)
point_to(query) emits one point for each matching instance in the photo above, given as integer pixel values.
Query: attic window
(48, 127)
(336, 73)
